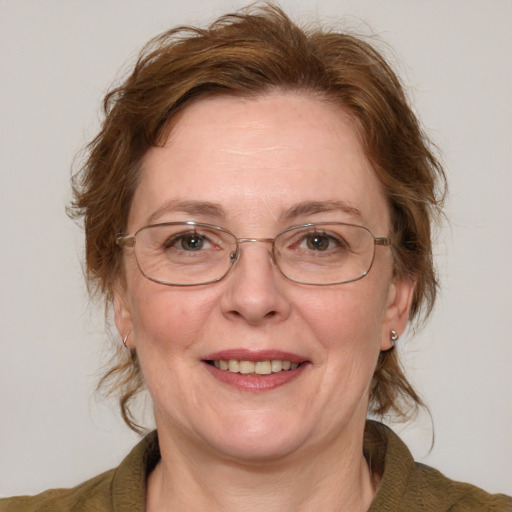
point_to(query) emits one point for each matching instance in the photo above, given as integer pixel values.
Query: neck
(332, 477)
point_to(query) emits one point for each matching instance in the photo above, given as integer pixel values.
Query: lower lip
(256, 383)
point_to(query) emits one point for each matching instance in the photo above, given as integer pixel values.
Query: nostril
(270, 314)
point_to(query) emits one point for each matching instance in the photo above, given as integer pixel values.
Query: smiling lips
(255, 371)
(265, 367)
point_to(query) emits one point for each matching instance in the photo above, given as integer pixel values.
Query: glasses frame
(131, 240)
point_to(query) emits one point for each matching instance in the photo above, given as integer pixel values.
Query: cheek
(167, 320)
(348, 313)
(347, 322)
(167, 324)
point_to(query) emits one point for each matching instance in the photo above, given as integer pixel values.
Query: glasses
(193, 253)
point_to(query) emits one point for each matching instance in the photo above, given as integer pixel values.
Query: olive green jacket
(406, 486)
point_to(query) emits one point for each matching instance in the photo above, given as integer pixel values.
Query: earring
(126, 338)
(393, 335)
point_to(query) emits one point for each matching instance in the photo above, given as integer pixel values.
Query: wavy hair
(250, 53)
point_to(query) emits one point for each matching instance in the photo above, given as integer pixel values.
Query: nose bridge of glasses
(240, 241)
(263, 240)
(270, 241)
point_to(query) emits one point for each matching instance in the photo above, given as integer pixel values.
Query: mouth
(260, 368)
(255, 371)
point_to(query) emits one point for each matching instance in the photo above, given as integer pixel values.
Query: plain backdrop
(57, 60)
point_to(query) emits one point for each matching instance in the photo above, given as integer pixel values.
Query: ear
(401, 293)
(122, 314)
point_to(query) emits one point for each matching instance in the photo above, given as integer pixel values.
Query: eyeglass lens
(185, 254)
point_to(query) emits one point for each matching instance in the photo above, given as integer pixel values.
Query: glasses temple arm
(125, 241)
(382, 241)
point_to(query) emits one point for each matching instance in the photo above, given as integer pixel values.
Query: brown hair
(251, 53)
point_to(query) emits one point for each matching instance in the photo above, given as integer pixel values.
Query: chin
(256, 450)
(255, 440)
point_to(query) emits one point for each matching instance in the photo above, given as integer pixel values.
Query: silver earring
(125, 339)
(393, 335)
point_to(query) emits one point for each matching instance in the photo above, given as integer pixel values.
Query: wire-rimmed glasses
(193, 253)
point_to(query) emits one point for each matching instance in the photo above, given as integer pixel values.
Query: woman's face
(245, 165)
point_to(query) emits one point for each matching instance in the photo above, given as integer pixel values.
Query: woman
(257, 210)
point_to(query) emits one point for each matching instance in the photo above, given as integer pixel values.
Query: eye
(192, 243)
(321, 242)
(317, 241)
(187, 242)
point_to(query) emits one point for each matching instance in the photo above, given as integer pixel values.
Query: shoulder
(92, 495)
(121, 489)
(446, 494)
(407, 485)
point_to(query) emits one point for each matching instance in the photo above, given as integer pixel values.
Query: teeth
(246, 367)
(233, 365)
(276, 365)
(263, 368)
(256, 367)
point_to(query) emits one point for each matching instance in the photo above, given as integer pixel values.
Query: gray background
(57, 59)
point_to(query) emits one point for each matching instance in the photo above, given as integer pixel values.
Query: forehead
(257, 158)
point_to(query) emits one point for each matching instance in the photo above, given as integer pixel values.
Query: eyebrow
(215, 210)
(311, 207)
(191, 207)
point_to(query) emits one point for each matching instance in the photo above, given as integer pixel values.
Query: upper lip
(242, 354)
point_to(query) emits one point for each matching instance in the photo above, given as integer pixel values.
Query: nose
(254, 287)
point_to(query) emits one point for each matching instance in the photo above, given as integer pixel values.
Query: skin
(288, 448)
